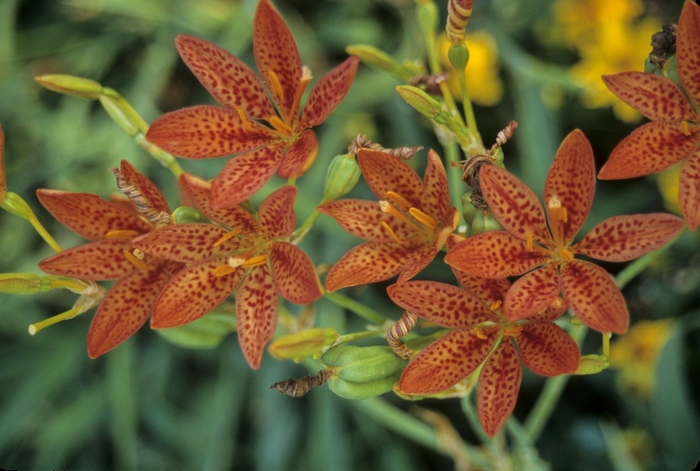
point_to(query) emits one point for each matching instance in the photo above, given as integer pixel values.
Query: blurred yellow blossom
(635, 355)
(668, 186)
(485, 86)
(577, 21)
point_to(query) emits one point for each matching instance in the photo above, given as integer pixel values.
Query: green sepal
(484, 223)
(362, 364)
(359, 391)
(188, 215)
(342, 176)
(204, 333)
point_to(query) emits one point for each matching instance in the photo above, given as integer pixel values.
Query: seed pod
(71, 85)
(484, 223)
(342, 176)
(359, 391)
(299, 345)
(592, 364)
(20, 283)
(362, 364)
(187, 215)
(424, 103)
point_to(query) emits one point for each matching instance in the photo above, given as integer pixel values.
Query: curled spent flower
(458, 13)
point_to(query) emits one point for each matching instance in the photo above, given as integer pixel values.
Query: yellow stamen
(391, 233)
(244, 119)
(280, 125)
(479, 332)
(398, 200)
(556, 303)
(226, 237)
(685, 128)
(224, 270)
(554, 205)
(513, 331)
(389, 209)
(530, 244)
(255, 261)
(133, 258)
(566, 255)
(70, 314)
(495, 305)
(121, 234)
(275, 86)
(422, 218)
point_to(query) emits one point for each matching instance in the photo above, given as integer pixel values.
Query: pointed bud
(71, 85)
(123, 114)
(343, 173)
(458, 54)
(428, 16)
(363, 364)
(16, 205)
(484, 223)
(424, 103)
(307, 343)
(20, 283)
(592, 364)
(188, 215)
(375, 58)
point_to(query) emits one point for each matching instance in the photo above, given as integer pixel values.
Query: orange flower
(284, 143)
(529, 243)
(485, 332)
(405, 230)
(110, 256)
(241, 253)
(674, 133)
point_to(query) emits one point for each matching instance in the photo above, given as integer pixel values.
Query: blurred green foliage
(152, 405)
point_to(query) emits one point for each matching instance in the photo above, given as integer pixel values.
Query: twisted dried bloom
(267, 134)
(458, 13)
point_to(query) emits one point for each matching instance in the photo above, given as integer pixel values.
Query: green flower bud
(484, 223)
(424, 103)
(71, 85)
(375, 58)
(428, 16)
(359, 391)
(458, 54)
(123, 114)
(343, 173)
(468, 209)
(299, 345)
(15, 204)
(187, 215)
(204, 333)
(20, 283)
(363, 364)
(592, 364)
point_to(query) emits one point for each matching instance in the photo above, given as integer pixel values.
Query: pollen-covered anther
(244, 119)
(398, 200)
(686, 129)
(495, 305)
(275, 86)
(389, 209)
(566, 255)
(556, 209)
(226, 237)
(512, 331)
(136, 258)
(422, 218)
(255, 261)
(556, 303)
(121, 234)
(391, 233)
(479, 332)
(231, 265)
(280, 126)
(530, 242)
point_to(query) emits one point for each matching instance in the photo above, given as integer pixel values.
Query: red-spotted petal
(571, 179)
(384, 172)
(657, 98)
(294, 274)
(486, 289)
(367, 263)
(328, 92)
(495, 254)
(554, 312)
(650, 148)
(234, 217)
(276, 213)
(126, 307)
(229, 80)
(440, 303)
(186, 242)
(622, 238)
(275, 50)
(145, 186)
(547, 350)
(192, 293)
(256, 314)
(89, 215)
(436, 193)
(419, 258)
(688, 50)
(364, 219)
(444, 363)
(513, 203)
(96, 261)
(689, 190)
(499, 383)
(300, 156)
(532, 293)
(202, 132)
(593, 297)
(244, 175)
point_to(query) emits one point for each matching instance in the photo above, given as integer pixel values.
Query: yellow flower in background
(668, 186)
(636, 354)
(485, 86)
(577, 21)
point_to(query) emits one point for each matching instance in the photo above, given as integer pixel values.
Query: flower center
(687, 129)
(245, 260)
(413, 217)
(136, 258)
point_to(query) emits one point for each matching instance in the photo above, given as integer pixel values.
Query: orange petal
(192, 293)
(384, 172)
(89, 215)
(294, 274)
(256, 314)
(419, 258)
(444, 363)
(657, 98)
(147, 188)
(689, 190)
(300, 156)
(276, 213)
(229, 80)
(553, 313)
(96, 261)
(486, 289)
(364, 219)
(202, 132)
(367, 263)
(275, 50)
(436, 193)
(650, 148)
(499, 383)
(532, 293)
(495, 254)
(328, 92)
(185, 242)
(443, 304)
(593, 297)
(126, 307)
(571, 179)
(244, 175)
(513, 203)
(688, 50)
(622, 238)
(547, 350)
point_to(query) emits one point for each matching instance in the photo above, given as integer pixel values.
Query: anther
(275, 86)
(226, 237)
(244, 119)
(135, 260)
(392, 233)
(566, 255)
(685, 128)
(479, 332)
(530, 243)
(422, 218)
(389, 209)
(398, 200)
(255, 261)
(280, 125)
(495, 305)
(513, 331)
(121, 234)
(554, 205)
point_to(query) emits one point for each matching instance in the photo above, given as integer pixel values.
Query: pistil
(121, 234)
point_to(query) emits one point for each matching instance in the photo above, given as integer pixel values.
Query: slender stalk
(628, 273)
(358, 308)
(359, 335)
(473, 418)
(44, 234)
(454, 175)
(70, 314)
(304, 229)
(163, 158)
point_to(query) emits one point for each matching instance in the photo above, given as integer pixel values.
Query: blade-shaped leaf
(499, 384)
(444, 363)
(256, 314)
(276, 213)
(650, 148)
(367, 263)
(230, 81)
(688, 50)
(96, 261)
(689, 190)
(328, 92)
(532, 293)
(547, 350)
(300, 156)
(186, 242)
(622, 238)
(440, 303)
(294, 274)
(593, 297)
(384, 172)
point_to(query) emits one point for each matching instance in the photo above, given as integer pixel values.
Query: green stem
(358, 308)
(473, 418)
(304, 229)
(360, 335)
(163, 158)
(468, 109)
(44, 234)
(628, 273)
